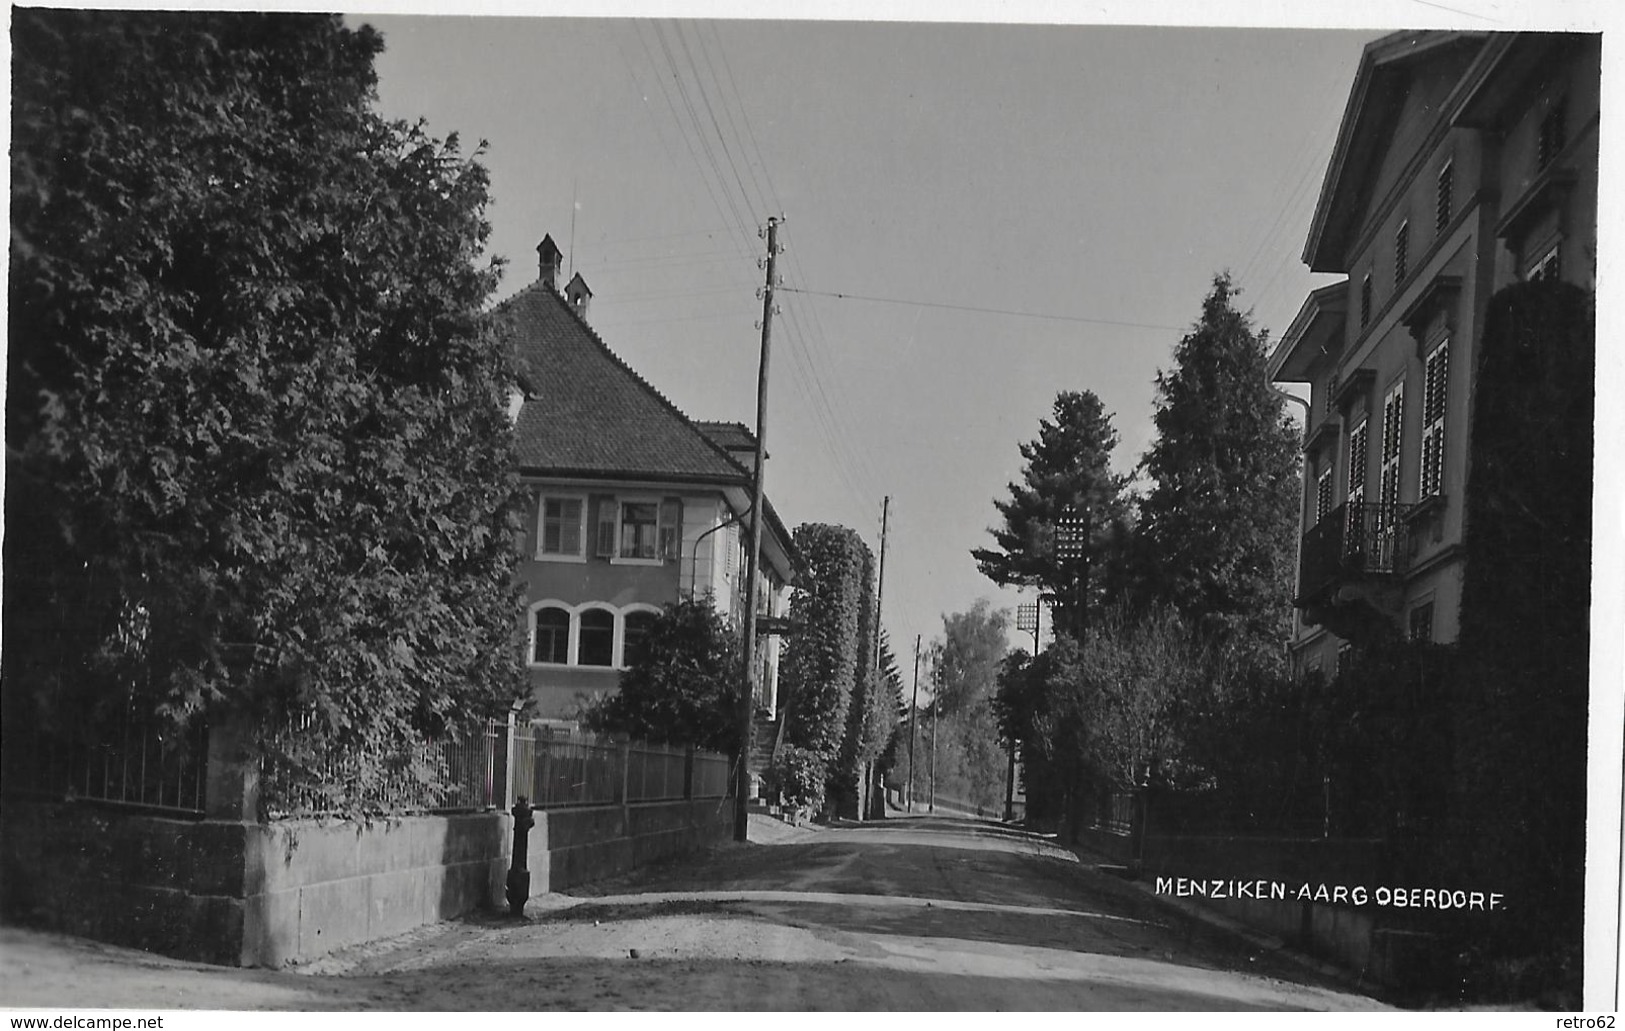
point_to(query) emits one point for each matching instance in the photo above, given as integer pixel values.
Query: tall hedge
(828, 661)
(1525, 642)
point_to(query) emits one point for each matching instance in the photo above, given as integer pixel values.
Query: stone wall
(251, 894)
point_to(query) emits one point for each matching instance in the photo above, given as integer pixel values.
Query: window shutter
(1434, 395)
(1357, 460)
(606, 527)
(1444, 205)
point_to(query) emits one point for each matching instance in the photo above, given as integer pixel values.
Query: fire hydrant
(518, 876)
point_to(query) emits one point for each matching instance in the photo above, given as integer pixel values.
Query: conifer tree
(1069, 465)
(1218, 526)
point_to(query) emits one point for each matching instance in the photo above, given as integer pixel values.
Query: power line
(988, 311)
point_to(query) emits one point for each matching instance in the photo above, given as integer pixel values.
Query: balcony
(1351, 564)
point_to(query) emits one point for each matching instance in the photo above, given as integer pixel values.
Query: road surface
(918, 913)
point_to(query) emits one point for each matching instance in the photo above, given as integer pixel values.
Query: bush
(683, 687)
(796, 776)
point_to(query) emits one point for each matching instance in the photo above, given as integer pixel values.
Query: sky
(1011, 210)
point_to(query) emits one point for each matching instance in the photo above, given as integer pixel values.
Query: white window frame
(620, 628)
(659, 503)
(1435, 407)
(1425, 604)
(530, 634)
(1551, 260)
(541, 528)
(614, 634)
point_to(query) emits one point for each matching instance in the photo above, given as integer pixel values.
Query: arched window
(597, 645)
(552, 635)
(638, 625)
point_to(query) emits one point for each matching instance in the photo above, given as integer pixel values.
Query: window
(639, 521)
(1444, 210)
(552, 635)
(638, 625)
(563, 526)
(597, 644)
(1365, 300)
(1421, 628)
(649, 530)
(1548, 266)
(1553, 134)
(1434, 393)
(1402, 246)
(1357, 458)
(1393, 432)
(1323, 493)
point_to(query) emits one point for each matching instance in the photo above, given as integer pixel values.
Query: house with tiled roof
(631, 504)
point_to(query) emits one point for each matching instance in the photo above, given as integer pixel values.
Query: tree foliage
(822, 662)
(683, 687)
(1068, 465)
(256, 439)
(967, 657)
(1219, 523)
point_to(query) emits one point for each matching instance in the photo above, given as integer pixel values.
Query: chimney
(577, 295)
(550, 256)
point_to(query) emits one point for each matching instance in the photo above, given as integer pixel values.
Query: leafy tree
(256, 440)
(968, 656)
(964, 670)
(683, 687)
(1218, 525)
(1139, 683)
(1068, 465)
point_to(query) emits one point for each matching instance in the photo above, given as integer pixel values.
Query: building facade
(631, 505)
(1465, 162)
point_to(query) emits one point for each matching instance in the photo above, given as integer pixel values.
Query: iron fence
(149, 765)
(563, 768)
(655, 773)
(138, 763)
(465, 772)
(1355, 542)
(1119, 815)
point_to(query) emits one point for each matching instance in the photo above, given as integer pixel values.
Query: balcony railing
(1357, 542)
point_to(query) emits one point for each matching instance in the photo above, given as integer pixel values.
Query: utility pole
(747, 689)
(913, 722)
(931, 804)
(880, 589)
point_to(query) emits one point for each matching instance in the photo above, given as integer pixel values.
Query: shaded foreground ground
(912, 914)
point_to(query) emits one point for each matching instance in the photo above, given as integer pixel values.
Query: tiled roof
(588, 413)
(732, 436)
